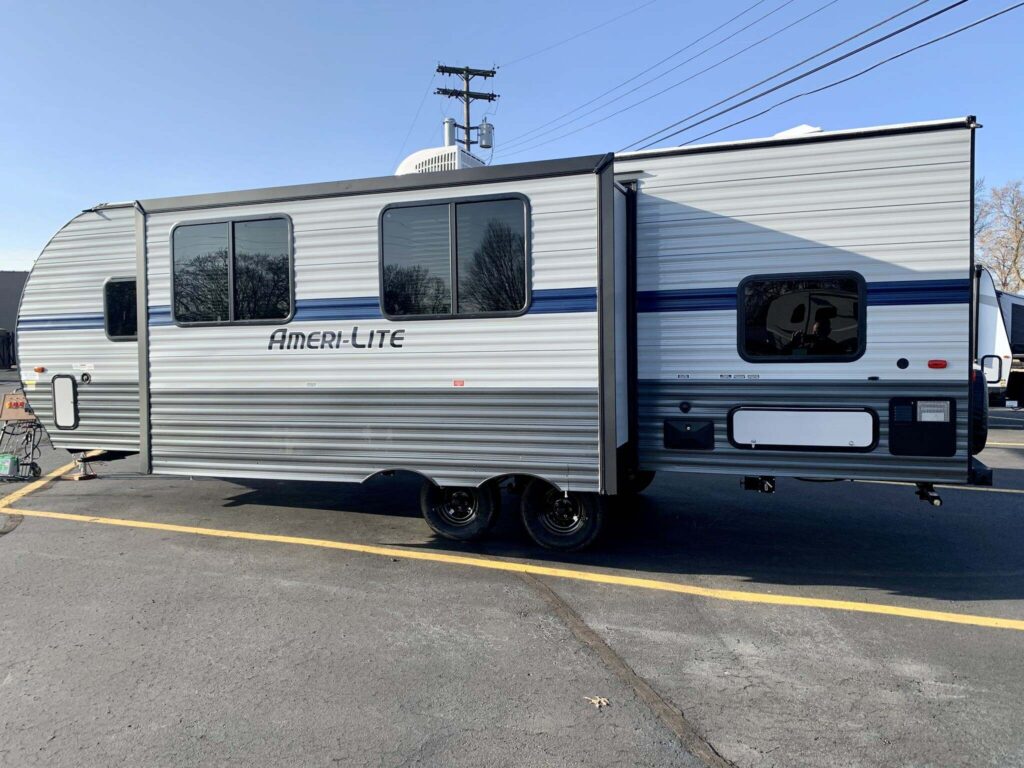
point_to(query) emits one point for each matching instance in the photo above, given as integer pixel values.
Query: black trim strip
(483, 175)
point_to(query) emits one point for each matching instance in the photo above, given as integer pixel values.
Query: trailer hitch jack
(926, 492)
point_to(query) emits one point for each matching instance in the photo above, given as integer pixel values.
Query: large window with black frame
(802, 318)
(232, 271)
(455, 259)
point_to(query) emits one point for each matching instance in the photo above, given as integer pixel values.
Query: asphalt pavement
(341, 632)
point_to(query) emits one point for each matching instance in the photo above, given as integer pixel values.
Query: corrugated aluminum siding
(528, 392)
(60, 327)
(894, 208)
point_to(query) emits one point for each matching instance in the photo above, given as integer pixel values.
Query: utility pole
(467, 96)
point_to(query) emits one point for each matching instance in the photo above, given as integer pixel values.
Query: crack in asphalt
(669, 715)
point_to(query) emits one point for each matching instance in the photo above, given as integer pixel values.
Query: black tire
(462, 514)
(979, 413)
(559, 521)
(638, 481)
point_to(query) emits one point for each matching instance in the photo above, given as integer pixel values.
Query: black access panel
(912, 433)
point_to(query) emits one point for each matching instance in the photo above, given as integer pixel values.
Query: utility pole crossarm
(467, 96)
(474, 95)
(465, 71)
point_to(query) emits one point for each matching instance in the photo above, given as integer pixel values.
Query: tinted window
(119, 309)
(491, 256)
(416, 260)
(201, 273)
(487, 257)
(252, 257)
(804, 318)
(262, 272)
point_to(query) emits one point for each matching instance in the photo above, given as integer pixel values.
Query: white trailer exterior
(630, 354)
(995, 358)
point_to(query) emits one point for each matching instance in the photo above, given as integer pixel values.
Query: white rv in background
(992, 340)
(1012, 306)
(796, 306)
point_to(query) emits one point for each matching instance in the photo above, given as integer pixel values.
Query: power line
(641, 73)
(791, 68)
(685, 79)
(577, 35)
(677, 66)
(864, 71)
(415, 118)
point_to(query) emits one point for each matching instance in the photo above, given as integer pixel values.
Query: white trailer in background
(797, 306)
(992, 341)
(1012, 306)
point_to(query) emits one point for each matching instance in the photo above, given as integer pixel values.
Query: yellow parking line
(765, 598)
(34, 486)
(542, 570)
(1005, 445)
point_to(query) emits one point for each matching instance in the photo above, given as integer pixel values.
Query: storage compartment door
(65, 402)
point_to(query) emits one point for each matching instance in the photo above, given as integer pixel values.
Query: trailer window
(232, 271)
(119, 309)
(416, 256)
(491, 256)
(801, 318)
(454, 258)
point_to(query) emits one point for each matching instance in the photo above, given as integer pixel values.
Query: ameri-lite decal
(373, 338)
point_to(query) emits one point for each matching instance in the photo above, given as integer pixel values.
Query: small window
(232, 271)
(119, 309)
(802, 318)
(458, 258)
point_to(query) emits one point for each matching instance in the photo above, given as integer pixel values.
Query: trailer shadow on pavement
(861, 535)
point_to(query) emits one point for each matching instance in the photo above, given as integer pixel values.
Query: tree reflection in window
(489, 255)
(416, 261)
(201, 273)
(250, 256)
(262, 279)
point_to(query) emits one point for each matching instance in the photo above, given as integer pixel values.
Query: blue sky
(117, 100)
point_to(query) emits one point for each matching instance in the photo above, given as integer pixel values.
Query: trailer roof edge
(482, 175)
(966, 122)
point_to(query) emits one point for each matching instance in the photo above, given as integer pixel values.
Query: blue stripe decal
(550, 301)
(357, 308)
(695, 300)
(60, 323)
(556, 300)
(560, 300)
(881, 294)
(912, 292)
(160, 315)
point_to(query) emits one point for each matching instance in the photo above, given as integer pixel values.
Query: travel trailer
(799, 306)
(991, 338)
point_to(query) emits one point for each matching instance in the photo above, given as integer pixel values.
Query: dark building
(11, 284)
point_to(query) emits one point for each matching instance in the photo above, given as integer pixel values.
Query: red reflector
(937, 363)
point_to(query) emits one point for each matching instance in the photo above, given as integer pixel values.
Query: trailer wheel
(462, 514)
(566, 522)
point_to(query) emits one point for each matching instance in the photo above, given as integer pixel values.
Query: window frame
(106, 314)
(862, 314)
(230, 221)
(453, 261)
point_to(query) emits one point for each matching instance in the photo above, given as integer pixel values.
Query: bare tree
(999, 232)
